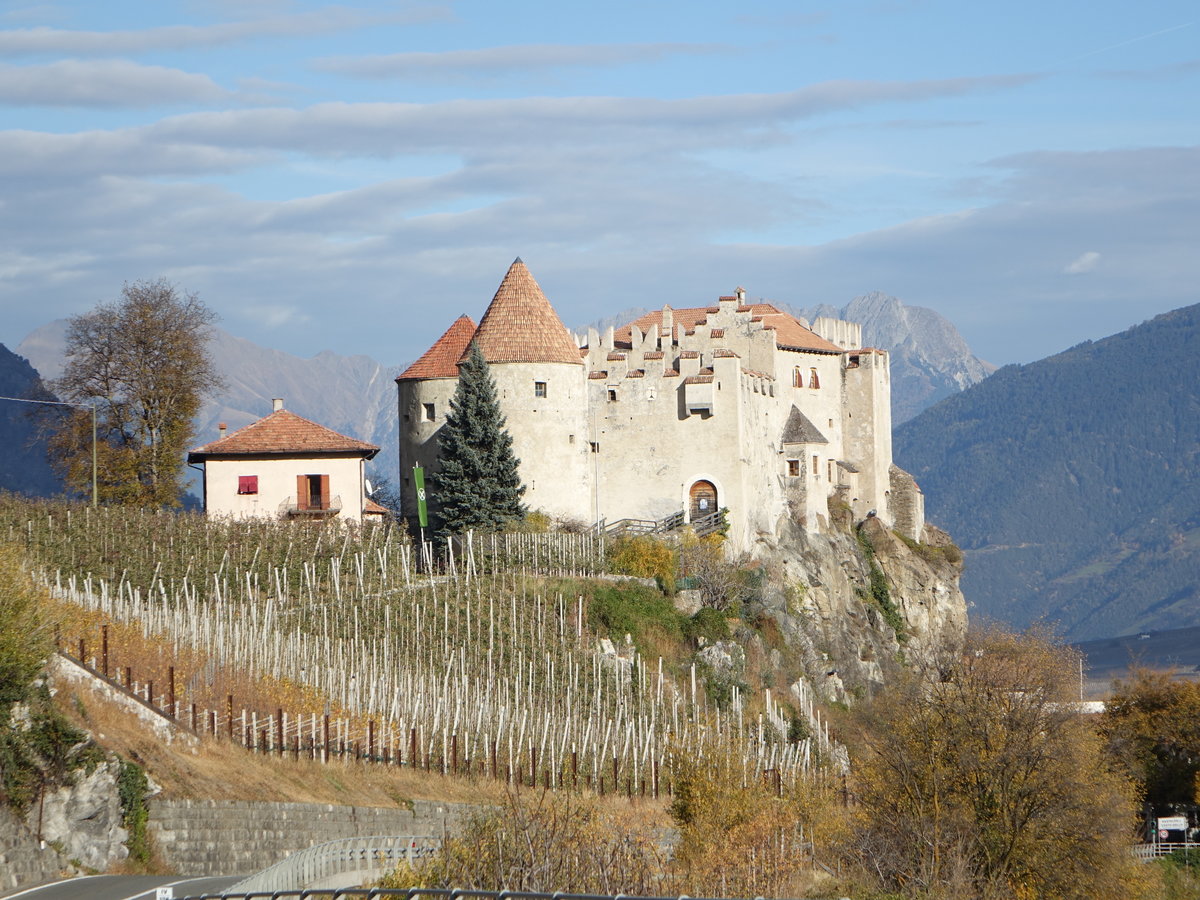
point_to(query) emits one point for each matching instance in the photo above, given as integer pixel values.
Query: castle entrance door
(703, 497)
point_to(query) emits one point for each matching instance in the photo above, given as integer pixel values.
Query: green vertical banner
(419, 484)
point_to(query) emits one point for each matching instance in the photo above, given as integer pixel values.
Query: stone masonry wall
(229, 837)
(22, 861)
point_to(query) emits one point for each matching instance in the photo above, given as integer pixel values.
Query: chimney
(276, 404)
(221, 429)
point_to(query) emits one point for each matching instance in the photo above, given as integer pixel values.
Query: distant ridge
(1072, 482)
(930, 359)
(353, 395)
(24, 468)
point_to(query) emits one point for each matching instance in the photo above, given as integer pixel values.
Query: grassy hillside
(1071, 482)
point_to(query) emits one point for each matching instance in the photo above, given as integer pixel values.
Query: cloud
(520, 59)
(276, 315)
(115, 83)
(1084, 263)
(28, 41)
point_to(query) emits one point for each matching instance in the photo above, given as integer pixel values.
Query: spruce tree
(477, 484)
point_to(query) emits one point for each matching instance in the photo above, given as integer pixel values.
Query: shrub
(709, 624)
(643, 556)
(633, 609)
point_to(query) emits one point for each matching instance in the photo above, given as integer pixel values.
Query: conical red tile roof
(520, 325)
(282, 432)
(441, 360)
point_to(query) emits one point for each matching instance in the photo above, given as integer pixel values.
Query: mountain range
(930, 360)
(1071, 482)
(352, 394)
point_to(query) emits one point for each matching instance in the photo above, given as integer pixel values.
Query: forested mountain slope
(23, 464)
(1072, 482)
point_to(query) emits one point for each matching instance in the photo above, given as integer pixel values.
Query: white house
(284, 465)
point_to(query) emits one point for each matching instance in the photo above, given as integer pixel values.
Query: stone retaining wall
(22, 861)
(229, 837)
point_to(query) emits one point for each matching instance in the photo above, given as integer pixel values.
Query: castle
(736, 405)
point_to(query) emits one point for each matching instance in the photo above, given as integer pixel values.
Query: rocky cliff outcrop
(856, 601)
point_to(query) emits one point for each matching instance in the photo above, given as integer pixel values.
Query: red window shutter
(325, 498)
(302, 492)
(247, 484)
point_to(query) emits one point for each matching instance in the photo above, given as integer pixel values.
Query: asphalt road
(123, 887)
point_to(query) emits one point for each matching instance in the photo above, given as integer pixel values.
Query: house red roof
(283, 432)
(441, 360)
(789, 333)
(520, 325)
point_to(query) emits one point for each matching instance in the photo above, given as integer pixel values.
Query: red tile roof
(520, 325)
(441, 360)
(283, 432)
(789, 333)
(370, 507)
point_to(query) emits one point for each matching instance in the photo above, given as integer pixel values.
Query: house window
(428, 413)
(813, 380)
(612, 395)
(797, 377)
(816, 468)
(247, 484)
(794, 468)
(312, 491)
(539, 389)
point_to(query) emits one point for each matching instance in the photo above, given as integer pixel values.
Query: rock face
(820, 597)
(85, 819)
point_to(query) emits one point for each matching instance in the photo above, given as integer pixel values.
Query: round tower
(541, 382)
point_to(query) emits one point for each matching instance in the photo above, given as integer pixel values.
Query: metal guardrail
(1148, 852)
(368, 858)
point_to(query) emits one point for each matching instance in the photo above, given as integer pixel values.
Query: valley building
(734, 405)
(286, 466)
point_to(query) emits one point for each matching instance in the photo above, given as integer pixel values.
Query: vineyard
(321, 636)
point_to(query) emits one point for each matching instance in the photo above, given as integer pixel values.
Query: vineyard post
(370, 739)
(229, 715)
(325, 739)
(129, 678)
(104, 650)
(171, 711)
(82, 652)
(279, 730)
(150, 693)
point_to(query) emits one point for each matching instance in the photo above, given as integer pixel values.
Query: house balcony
(290, 509)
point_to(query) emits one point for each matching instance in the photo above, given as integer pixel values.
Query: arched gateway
(702, 499)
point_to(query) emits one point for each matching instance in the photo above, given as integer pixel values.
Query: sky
(353, 177)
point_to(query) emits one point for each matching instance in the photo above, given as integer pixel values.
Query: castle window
(813, 380)
(247, 484)
(595, 446)
(829, 464)
(794, 468)
(428, 413)
(539, 389)
(817, 468)
(612, 395)
(570, 438)
(797, 377)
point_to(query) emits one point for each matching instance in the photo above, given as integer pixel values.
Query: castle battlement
(736, 405)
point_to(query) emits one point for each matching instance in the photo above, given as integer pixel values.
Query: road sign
(164, 893)
(1172, 823)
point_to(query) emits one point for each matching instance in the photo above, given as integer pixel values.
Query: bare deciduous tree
(143, 361)
(978, 777)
